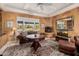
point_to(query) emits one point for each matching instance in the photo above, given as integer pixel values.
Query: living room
(20, 28)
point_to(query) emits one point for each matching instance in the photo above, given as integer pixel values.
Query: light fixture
(42, 5)
(14, 34)
(14, 29)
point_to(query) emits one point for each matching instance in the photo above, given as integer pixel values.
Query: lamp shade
(14, 28)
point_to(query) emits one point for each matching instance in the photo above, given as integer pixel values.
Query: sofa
(67, 47)
(77, 43)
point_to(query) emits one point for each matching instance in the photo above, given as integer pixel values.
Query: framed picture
(10, 24)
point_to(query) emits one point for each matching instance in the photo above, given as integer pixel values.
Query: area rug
(48, 48)
(44, 51)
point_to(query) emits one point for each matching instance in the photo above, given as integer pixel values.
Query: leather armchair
(77, 43)
(67, 47)
(22, 38)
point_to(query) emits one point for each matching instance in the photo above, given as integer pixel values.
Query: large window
(28, 24)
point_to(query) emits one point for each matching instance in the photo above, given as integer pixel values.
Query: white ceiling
(40, 9)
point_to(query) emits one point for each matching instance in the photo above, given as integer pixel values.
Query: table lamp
(14, 29)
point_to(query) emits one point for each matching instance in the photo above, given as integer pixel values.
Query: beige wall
(75, 14)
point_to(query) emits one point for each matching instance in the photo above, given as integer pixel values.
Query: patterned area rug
(48, 48)
(44, 51)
